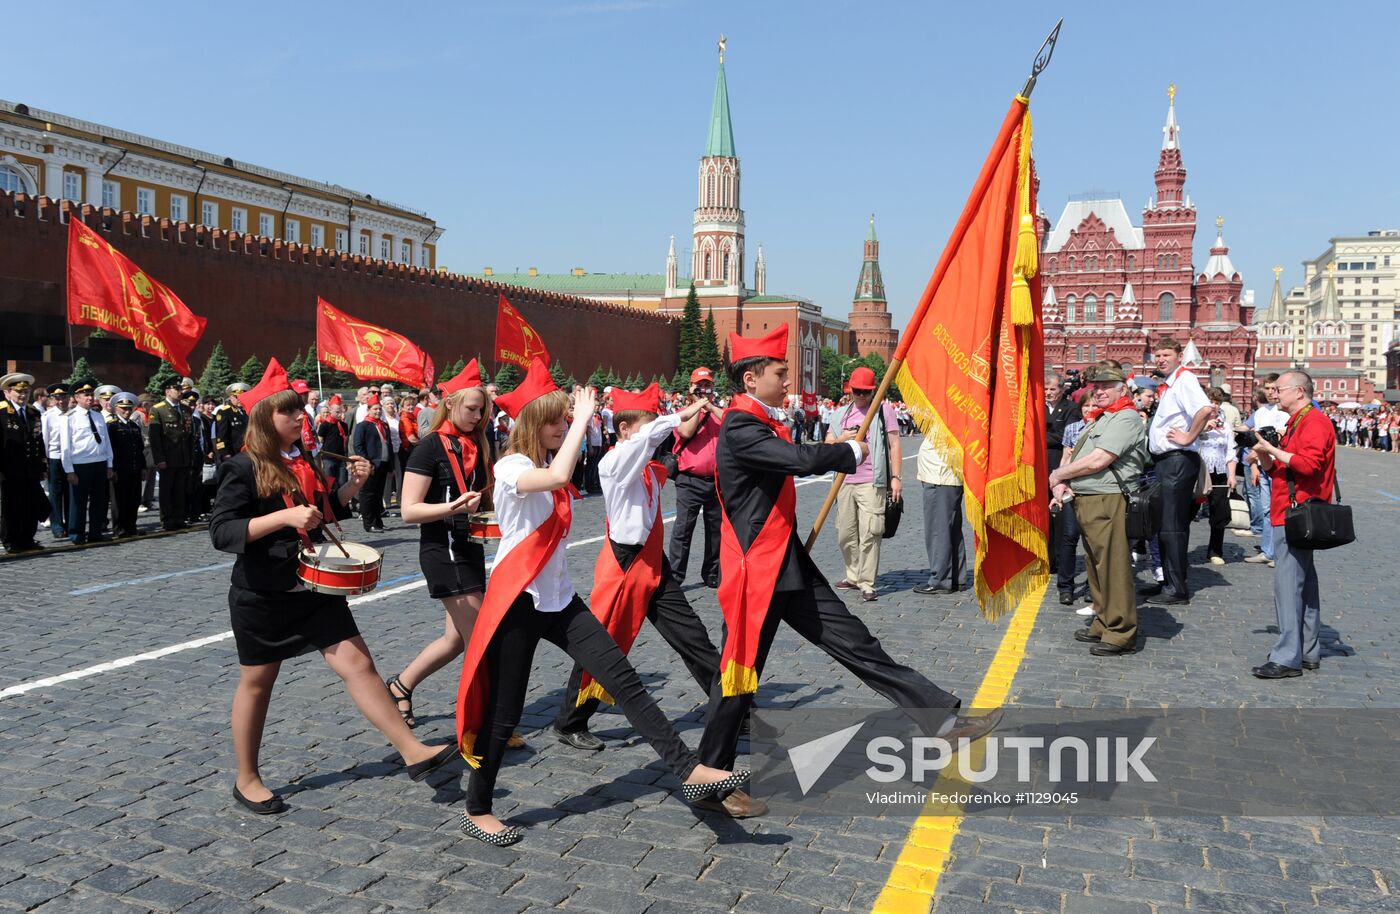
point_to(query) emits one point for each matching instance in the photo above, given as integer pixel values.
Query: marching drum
(327, 570)
(482, 527)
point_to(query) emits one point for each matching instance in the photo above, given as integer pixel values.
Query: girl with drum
(531, 598)
(270, 505)
(445, 479)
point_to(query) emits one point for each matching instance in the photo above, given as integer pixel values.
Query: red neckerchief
(450, 432)
(1122, 403)
(1162, 388)
(508, 580)
(379, 424)
(620, 599)
(312, 490)
(747, 578)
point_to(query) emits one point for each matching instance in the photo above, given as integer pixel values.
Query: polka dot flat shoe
(695, 792)
(505, 838)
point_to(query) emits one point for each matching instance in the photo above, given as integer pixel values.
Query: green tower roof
(721, 139)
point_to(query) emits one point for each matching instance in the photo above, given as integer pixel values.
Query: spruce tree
(166, 372)
(251, 371)
(709, 345)
(688, 354)
(81, 371)
(679, 383)
(451, 371)
(611, 379)
(508, 377)
(598, 378)
(218, 373)
(560, 379)
(311, 365)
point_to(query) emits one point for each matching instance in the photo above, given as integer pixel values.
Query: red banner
(107, 290)
(517, 341)
(368, 351)
(972, 370)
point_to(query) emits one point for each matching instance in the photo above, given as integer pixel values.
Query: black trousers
(372, 495)
(58, 498)
(194, 493)
(578, 633)
(1067, 558)
(671, 613)
(694, 494)
(1219, 512)
(1178, 472)
(821, 617)
(174, 496)
(87, 501)
(590, 473)
(126, 490)
(21, 507)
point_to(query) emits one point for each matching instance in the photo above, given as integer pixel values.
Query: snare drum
(327, 570)
(482, 527)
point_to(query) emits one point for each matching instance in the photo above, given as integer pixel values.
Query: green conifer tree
(81, 371)
(688, 354)
(557, 375)
(709, 355)
(156, 386)
(598, 378)
(218, 373)
(251, 371)
(508, 377)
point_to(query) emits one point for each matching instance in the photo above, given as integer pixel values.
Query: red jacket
(1312, 441)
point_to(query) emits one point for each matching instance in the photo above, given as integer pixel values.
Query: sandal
(405, 695)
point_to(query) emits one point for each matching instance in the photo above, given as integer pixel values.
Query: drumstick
(324, 528)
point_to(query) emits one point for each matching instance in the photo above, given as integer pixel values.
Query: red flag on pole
(107, 290)
(516, 340)
(368, 351)
(972, 371)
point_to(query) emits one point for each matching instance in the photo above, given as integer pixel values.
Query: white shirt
(520, 514)
(49, 423)
(76, 441)
(1177, 408)
(607, 415)
(360, 412)
(622, 472)
(1270, 417)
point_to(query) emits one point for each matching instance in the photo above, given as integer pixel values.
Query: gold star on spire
(1220, 222)
(1171, 93)
(722, 43)
(1278, 271)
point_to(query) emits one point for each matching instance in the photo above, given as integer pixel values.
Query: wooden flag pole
(875, 403)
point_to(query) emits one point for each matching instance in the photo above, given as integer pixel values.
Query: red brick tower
(870, 315)
(1168, 229)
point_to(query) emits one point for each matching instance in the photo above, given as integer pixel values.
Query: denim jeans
(1258, 509)
(1266, 494)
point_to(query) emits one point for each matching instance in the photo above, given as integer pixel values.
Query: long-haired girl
(271, 500)
(531, 598)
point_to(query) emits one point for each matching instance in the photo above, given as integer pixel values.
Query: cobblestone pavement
(115, 787)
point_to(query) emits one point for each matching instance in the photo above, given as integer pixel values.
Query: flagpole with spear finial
(1042, 60)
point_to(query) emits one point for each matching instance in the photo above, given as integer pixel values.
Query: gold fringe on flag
(466, 746)
(738, 679)
(594, 690)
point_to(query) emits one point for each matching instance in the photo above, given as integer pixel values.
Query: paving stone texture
(115, 788)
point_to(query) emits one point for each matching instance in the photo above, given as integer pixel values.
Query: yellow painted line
(914, 879)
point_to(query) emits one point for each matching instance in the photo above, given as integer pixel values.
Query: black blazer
(269, 563)
(751, 464)
(368, 444)
(1056, 419)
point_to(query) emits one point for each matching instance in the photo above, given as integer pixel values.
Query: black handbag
(1144, 508)
(1317, 524)
(894, 510)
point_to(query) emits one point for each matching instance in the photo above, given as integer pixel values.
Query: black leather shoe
(580, 739)
(264, 808)
(1312, 664)
(1113, 650)
(422, 769)
(1167, 599)
(930, 589)
(1066, 598)
(738, 805)
(1149, 590)
(1083, 634)
(1273, 670)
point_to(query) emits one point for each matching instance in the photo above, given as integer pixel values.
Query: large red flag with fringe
(973, 369)
(369, 351)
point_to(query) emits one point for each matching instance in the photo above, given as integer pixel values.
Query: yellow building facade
(64, 158)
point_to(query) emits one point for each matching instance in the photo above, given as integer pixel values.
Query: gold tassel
(594, 690)
(467, 744)
(1027, 262)
(738, 679)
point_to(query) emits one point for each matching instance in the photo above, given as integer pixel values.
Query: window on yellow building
(111, 195)
(73, 186)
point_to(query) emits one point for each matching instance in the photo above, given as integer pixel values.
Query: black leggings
(578, 633)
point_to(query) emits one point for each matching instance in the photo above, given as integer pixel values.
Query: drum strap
(455, 460)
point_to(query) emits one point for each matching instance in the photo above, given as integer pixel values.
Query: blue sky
(566, 134)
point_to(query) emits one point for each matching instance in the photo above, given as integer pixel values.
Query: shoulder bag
(1314, 523)
(1144, 507)
(894, 510)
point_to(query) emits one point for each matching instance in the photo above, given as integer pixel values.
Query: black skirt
(459, 570)
(269, 626)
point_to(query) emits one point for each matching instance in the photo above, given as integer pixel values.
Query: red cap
(862, 379)
(701, 374)
(648, 400)
(301, 386)
(537, 383)
(274, 380)
(774, 345)
(468, 377)
(373, 400)
(335, 400)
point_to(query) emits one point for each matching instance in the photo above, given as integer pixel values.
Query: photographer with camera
(696, 439)
(1269, 423)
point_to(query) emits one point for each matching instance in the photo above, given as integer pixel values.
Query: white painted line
(121, 662)
(98, 588)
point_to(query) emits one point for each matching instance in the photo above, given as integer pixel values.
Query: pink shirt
(853, 418)
(697, 454)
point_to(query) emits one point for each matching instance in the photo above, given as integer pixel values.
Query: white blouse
(518, 515)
